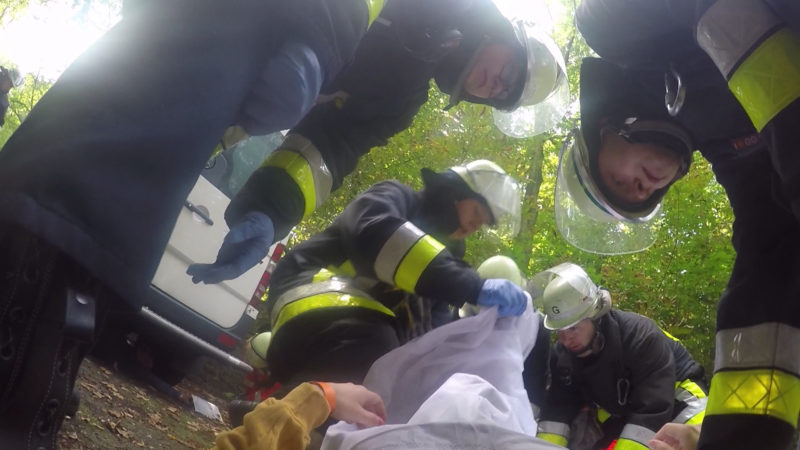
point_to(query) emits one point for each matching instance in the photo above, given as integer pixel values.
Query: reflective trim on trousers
(311, 289)
(766, 345)
(326, 300)
(766, 392)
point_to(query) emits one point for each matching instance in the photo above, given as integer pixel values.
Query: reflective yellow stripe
(415, 262)
(299, 170)
(769, 79)
(322, 275)
(692, 387)
(346, 269)
(627, 444)
(553, 438)
(374, 7)
(602, 415)
(326, 300)
(666, 333)
(758, 391)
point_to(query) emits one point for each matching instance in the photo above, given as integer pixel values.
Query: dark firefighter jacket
(633, 377)
(385, 87)
(759, 304)
(388, 225)
(103, 163)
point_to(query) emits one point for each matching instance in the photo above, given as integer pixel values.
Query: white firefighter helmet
(569, 296)
(584, 215)
(501, 192)
(255, 351)
(545, 95)
(495, 267)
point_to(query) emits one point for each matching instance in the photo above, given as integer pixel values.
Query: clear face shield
(585, 217)
(545, 96)
(503, 195)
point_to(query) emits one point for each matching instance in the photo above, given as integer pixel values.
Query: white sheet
(458, 386)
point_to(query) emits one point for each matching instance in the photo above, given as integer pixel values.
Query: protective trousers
(49, 317)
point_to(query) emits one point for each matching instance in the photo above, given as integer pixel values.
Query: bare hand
(357, 404)
(676, 436)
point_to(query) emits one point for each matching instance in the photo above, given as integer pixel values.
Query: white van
(182, 321)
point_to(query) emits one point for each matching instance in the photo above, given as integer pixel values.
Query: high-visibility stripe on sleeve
(555, 432)
(766, 345)
(553, 438)
(602, 415)
(769, 79)
(405, 255)
(634, 437)
(690, 393)
(301, 160)
(729, 29)
(766, 392)
(627, 444)
(374, 8)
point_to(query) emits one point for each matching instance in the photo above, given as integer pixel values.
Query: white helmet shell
(586, 219)
(501, 192)
(498, 266)
(569, 296)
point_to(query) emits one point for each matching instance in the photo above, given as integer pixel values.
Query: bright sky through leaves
(46, 38)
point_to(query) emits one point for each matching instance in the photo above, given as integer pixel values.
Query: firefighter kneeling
(637, 375)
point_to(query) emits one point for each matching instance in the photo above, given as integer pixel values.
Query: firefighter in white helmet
(476, 52)
(349, 294)
(637, 375)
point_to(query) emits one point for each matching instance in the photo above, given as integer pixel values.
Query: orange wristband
(327, 391)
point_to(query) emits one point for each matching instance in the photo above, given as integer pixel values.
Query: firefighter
(474, 54)
(674, 94)
(639, 376)
(93, 179)
(389, 243)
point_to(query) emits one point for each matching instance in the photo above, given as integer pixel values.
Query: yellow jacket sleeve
(279, 424)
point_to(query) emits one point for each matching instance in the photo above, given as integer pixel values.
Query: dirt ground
(119, 412)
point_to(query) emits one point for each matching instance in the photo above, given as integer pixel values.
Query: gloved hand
(245, 245)
(507, 296)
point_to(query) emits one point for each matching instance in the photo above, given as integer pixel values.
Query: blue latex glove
(245, 245)
(507, 296)
(284, 92)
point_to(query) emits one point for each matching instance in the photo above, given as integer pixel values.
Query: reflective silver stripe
(729, 29)
(323, 180)
(394, 249)
(307, 290)
(559, 428)
(637, 433)
(693, 407)
(769, 344)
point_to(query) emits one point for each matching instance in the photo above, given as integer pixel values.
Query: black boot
(46, 329)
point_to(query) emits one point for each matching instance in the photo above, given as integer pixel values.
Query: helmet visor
(586, 219)
(545, 95)
(502, 194)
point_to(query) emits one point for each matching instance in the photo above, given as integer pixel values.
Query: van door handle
(191, 206)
